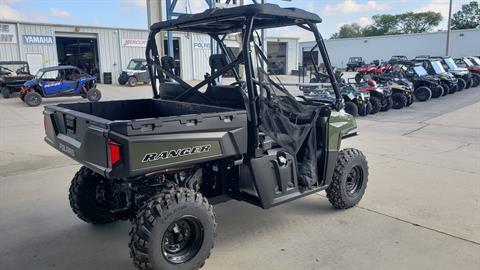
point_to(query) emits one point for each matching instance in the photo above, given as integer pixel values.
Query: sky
(132, 13)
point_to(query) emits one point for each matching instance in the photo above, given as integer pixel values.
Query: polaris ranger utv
(162, 162)
(13, 74)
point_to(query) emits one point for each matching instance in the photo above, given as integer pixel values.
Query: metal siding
(186, 56)
(49, 51)
(410, 45)
(132, 52)
(199, 57)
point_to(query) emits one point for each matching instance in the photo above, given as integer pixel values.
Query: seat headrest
(168, 62)
(217, 61)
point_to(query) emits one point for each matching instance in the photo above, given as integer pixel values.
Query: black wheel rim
(33, 100)
(182, 240)
(354, 181)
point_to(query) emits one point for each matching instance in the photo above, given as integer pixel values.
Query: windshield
(14, 68)
(437, 67)
(476, 60)
(420, 71)
(38, 75)
(137, 65)
(450, 63)
(355, 59)
(468, 62)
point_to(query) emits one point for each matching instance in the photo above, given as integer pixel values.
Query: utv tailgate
(128, 138)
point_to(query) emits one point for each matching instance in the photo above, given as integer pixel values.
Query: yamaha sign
(34, 39)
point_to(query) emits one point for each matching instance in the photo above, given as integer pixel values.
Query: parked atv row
(431, 77)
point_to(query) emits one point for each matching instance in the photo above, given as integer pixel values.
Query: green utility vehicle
(163, 162)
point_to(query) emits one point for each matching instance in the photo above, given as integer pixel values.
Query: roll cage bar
(250, 23)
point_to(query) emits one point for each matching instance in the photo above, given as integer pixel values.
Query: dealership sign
(201, 45)
(133, 42)
(8, 33)
(33, 39)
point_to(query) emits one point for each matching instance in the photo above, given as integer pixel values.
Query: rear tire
(33, 99)
(388, 104)
(349, 179)
(94, 95)
(399, 101)
(437, 91)
(376, 104)
(132, 81)
(84, 189)
(5, 92)
(461, 84)
(175, 230)
(351, 108)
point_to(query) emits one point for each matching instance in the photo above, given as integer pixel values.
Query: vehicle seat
(227, 96)
(170, 90)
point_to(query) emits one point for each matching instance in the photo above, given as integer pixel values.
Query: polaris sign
(33, 39)
(201, 45)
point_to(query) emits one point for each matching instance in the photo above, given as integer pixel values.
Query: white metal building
(462, 43)
(104, 50)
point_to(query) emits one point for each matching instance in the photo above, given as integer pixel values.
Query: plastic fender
(340, 124)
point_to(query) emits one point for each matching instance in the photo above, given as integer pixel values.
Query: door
(143, 75)
(35, 62)
(69, 80)
(51, 82)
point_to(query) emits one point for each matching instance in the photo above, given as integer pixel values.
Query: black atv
(423, 83)
(402, 89)
(463, 76)
(13, 74)
(356, 102)
(380, 96)
(354, 63)
(448, 82)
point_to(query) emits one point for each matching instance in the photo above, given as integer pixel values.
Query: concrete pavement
(421, 209)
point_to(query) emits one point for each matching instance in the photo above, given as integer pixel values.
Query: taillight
(113, 153)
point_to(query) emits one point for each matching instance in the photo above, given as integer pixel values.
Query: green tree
(388, 24)
(467, 17)
(349, 31)
(418, 22)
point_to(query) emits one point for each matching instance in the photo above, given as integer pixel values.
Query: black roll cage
(157, 72)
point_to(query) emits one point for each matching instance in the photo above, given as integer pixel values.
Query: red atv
(473, 65)
(371, 70)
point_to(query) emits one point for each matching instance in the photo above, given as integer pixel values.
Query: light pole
(449, 29)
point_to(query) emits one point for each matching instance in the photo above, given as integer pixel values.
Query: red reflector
(113, 153)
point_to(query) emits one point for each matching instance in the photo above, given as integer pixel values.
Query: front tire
(437, 91)
(33, 99)
(87, 197)
(461, 84)
(399, 101)
(475, 80)
(351, 108)
(422, 93)
(132, 81)
(376, 104)
(349, 179)
(387, 105)
(175, 230)
(5, 92)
